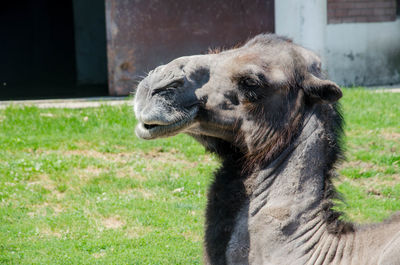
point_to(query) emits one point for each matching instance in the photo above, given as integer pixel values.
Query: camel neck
(272, 204)
(283, 198)
(294, 181)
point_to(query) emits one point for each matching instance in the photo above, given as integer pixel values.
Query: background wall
(355, 53)
(363, 53)
(304, 21)
(144, 34)
(345, 11)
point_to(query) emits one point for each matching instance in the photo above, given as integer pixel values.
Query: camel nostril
(203, 100)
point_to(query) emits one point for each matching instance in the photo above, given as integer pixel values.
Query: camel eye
(249, 86)
(168, 89)
(248, 83)
(162, 91)
(175, 84)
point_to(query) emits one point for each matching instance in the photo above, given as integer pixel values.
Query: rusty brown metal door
(142, 34)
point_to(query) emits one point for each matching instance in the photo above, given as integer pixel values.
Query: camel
(267, 111)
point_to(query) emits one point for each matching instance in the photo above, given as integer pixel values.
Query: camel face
(226, 95)
(165, 102)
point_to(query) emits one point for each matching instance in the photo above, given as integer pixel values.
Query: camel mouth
(152, 131)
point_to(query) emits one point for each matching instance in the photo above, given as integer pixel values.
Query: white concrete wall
(303, 21)
(352, 53)
(363, 53)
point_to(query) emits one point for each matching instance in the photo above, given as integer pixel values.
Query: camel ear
(321, 90)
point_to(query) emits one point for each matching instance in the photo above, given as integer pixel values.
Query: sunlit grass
(371, 175)
(77, 186)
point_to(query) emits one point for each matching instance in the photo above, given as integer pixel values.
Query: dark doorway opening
(46, 49)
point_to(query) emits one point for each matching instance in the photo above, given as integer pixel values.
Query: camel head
(241, 96)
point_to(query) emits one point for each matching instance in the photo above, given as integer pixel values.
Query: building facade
(104, 47)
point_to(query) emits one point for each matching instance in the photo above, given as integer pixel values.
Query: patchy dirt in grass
(372, 185)
(363, 166)
(49, 115)
(161, 155)
(358, 164)
(156, 155)
(173, 156)
(390, 135)
(44, 208)
(137, 231)
(178, 163)
(93, 170)
(57, 208)
(112, 157)
(50, 233)
(129, 172)
(137, 165)
(192, 236)
(113, 222)
(44, 181)
(146, 194)
(137, 193)
(153, 160)
(88, 173)
(99, 255)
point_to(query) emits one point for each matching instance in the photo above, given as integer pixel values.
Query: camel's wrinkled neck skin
(286, 195)
(291, 178)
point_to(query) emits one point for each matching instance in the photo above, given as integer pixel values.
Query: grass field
(77, 186)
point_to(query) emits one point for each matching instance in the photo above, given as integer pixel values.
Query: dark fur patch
(332, 116)
(274, 131)
(226, 196)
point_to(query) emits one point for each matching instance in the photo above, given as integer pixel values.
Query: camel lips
(151, 131)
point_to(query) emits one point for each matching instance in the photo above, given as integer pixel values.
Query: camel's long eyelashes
(248, 86)
(162, 91)
(251, 96)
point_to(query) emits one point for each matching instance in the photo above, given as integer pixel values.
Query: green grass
(370, 178)
(77, 186)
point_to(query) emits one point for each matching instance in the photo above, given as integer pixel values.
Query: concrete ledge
(75, 103)
(381, 89)
(79, 103)
(390, 90)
